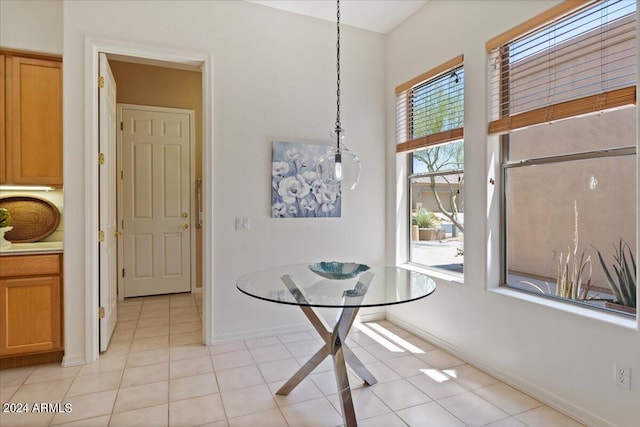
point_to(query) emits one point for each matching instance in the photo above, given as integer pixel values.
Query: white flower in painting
(309, 204)
(327, 207)
(292, 188)
(291, 154)
(326, 195)
(310, 177)
(278, 210)
(293, 211)
(280, 168)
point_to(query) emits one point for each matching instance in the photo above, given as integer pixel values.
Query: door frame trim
(192, 185)
(195, 60)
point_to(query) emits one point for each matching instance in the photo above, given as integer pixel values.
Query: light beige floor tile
(155, 331)
(269, 418)
(294, 336)
(306, 390)
(231, 359)
(278, 370)
(398, 331)
(13, 419)
(87, 406)
(196, 411)
(364, 355)
(185, 318)
(142, 396)
(303, 348)
(440, 359)
(117, 349)
(181, 311)
(408, 366)
(270, 353)
(421, 344)
(386, 420)
(104, 364)
(102, 421)
(399, 394)
(7, 392)
(325, 365)
(87, 384)
(193, 386)
(382, 372)
(365, 403)
(127, 317)
(152, 343)
(236, 402)
(154, 313)
(227, 347)
(145, 375)
(507, 422)
(185, 339)
(470, 377)
(545, 416)
(385, 353)
(436, 384)
(507, 398)
(150, 357)
(429, 415)
(355, 338)
(46, 391)
(128, 309)
(312, 413)
(326, 382)
(188, 351)
(181, 328)
(472, 409)
(51, 372)
(182, 301)
(153, 322)
(156, 416)
(190, 367)
(262, 342)
(233, 379)
(15, 377)
(122, 335)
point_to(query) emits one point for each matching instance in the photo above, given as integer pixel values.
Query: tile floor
(156, 373)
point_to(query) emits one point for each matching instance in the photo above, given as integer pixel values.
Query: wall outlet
(242, 223)
(622, 376)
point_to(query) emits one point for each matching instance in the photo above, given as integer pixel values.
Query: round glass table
(347, 287)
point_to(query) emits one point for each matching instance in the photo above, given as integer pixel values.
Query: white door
(107, 123)
(156, 200)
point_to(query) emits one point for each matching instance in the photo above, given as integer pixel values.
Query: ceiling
(380, 16)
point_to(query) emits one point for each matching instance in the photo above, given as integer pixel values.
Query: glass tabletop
(299, 285)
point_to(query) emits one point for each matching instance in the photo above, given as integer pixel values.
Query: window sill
(455, 278)
(611, 318)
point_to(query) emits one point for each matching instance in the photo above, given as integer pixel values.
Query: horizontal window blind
(430, 108)
(582, 62)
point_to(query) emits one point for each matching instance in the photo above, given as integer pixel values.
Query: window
(430, 127)
(563, 100)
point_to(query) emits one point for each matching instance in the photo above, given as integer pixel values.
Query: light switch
(242, 223)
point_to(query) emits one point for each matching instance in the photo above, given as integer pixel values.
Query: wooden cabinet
(30, 304)
(31, 144)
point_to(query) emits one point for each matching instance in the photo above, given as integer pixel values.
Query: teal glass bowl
(338, 270)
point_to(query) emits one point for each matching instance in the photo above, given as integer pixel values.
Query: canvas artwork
(297, 190)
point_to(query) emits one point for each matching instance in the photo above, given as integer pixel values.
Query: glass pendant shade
(339, 165)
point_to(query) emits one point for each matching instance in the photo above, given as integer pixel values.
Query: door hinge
(101, 236)
(121, 125)
(101, 313)
(123, 272)
(101, 158)
(121, 174)
(100, 82)
(122, 223)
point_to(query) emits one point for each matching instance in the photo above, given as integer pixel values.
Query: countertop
(32, 248)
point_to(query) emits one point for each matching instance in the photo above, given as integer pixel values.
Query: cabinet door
(34, 121)
(30, 320)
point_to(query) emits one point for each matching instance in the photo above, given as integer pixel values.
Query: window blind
(581, 62)
(430, 107)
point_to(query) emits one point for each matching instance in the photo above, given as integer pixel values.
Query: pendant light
(339, 164)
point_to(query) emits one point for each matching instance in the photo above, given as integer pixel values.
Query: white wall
(563, 357)
(274, 79)
(32, 25)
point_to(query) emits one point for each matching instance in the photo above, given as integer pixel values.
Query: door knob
(117, 233)
(185, 215)
(185, 226)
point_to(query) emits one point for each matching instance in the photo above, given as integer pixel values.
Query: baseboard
(73, 360)
(550, 399)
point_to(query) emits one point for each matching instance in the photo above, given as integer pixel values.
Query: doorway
(178, 271)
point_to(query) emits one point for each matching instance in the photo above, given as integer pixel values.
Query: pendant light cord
(338, 124)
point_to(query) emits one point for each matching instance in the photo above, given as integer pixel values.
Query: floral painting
(297, 190)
